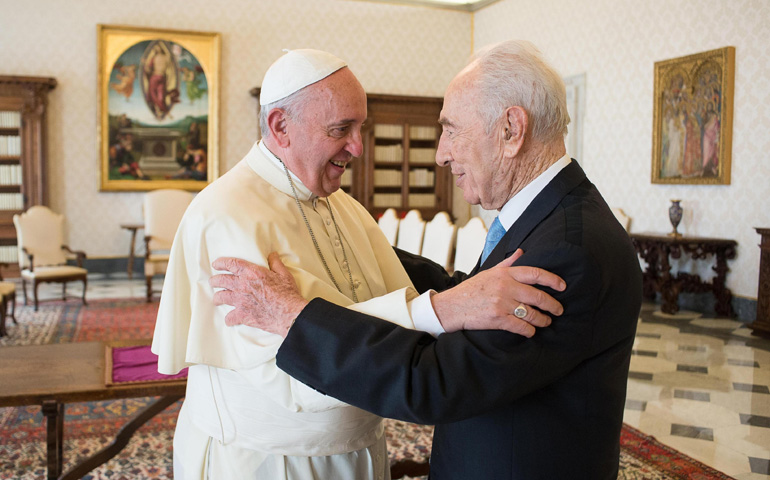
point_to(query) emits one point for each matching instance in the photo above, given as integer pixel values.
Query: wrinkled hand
(487, 300)
(263, 298)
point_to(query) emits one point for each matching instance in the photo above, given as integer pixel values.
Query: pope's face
(326, 134)
(475, 157)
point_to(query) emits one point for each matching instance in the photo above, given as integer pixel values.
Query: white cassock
(242, 416)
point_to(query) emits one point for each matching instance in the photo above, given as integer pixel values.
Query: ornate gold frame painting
(158, 105)
(692, 118)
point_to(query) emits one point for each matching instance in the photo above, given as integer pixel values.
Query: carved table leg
(649, 254)
(669, 286)
(722, 294)
(649, 284)
(54, 415)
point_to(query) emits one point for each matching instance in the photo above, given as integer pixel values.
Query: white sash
(224, 405)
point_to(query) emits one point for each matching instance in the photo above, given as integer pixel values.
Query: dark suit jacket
(505, 407)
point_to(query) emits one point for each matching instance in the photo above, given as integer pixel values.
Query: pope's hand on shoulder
(263, 298)
(269, 299)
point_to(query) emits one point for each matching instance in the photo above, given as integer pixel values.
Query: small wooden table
(656, 249)
(56, 374)
(131, 227)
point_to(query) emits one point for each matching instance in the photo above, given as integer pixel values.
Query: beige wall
(616, 43)
(392, 49)
(416, 51)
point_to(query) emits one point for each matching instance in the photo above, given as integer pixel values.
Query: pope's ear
(516, 125)
(277, 122)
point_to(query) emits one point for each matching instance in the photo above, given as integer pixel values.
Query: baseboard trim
(109, 266)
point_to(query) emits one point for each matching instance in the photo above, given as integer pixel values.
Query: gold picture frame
(158, 97)
(692, 118)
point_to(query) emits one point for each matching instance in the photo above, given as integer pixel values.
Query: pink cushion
(138, 364)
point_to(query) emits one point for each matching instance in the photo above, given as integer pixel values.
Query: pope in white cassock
(243, 417)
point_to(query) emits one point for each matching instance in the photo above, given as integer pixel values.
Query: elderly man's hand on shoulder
(495, 299)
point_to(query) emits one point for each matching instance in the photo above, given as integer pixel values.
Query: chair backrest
(470, 243)
(410, 232)
(163, 210)
(389, 225)
(439, 239)
(624, 219)
(40, 231)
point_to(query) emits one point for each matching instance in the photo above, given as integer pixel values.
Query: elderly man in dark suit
(505, 406)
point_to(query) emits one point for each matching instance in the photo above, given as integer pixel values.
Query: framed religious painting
(158, 108)
(693, 117)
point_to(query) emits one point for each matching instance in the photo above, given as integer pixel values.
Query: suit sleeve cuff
(423, 315)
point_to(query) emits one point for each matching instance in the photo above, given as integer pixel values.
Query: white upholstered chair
(470, 243)
(439, 239)
(43, 254)
(624, 219)
(389, 225)
(410, 232)
(163, 210)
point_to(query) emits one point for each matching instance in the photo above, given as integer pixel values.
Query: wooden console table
(761, 325)
(656, 250)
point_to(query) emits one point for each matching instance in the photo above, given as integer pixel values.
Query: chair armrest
(79, 254)
(29, 258)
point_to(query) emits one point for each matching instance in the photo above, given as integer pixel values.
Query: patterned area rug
(91, 426)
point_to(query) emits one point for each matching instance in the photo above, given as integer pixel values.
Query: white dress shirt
(511, 211)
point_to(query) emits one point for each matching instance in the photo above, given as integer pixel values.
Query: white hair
(515, 73)
(293, 105)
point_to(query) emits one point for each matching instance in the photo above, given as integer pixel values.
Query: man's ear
(516, 124)
(277, 122)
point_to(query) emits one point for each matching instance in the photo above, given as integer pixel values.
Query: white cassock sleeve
(191, 329)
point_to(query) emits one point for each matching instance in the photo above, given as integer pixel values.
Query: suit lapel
(543, 204)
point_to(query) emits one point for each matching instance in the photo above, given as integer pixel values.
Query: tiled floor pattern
(700, 385)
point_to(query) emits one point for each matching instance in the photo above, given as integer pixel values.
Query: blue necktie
(496, 232)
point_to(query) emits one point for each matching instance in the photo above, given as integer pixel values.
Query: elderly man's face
(326, 134)
(475, 157)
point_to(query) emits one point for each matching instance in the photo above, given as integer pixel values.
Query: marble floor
(700, 385)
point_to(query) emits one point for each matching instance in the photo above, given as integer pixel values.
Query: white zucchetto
(296, 70)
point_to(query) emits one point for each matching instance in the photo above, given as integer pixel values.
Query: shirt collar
(513, 209)
(269, 167)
